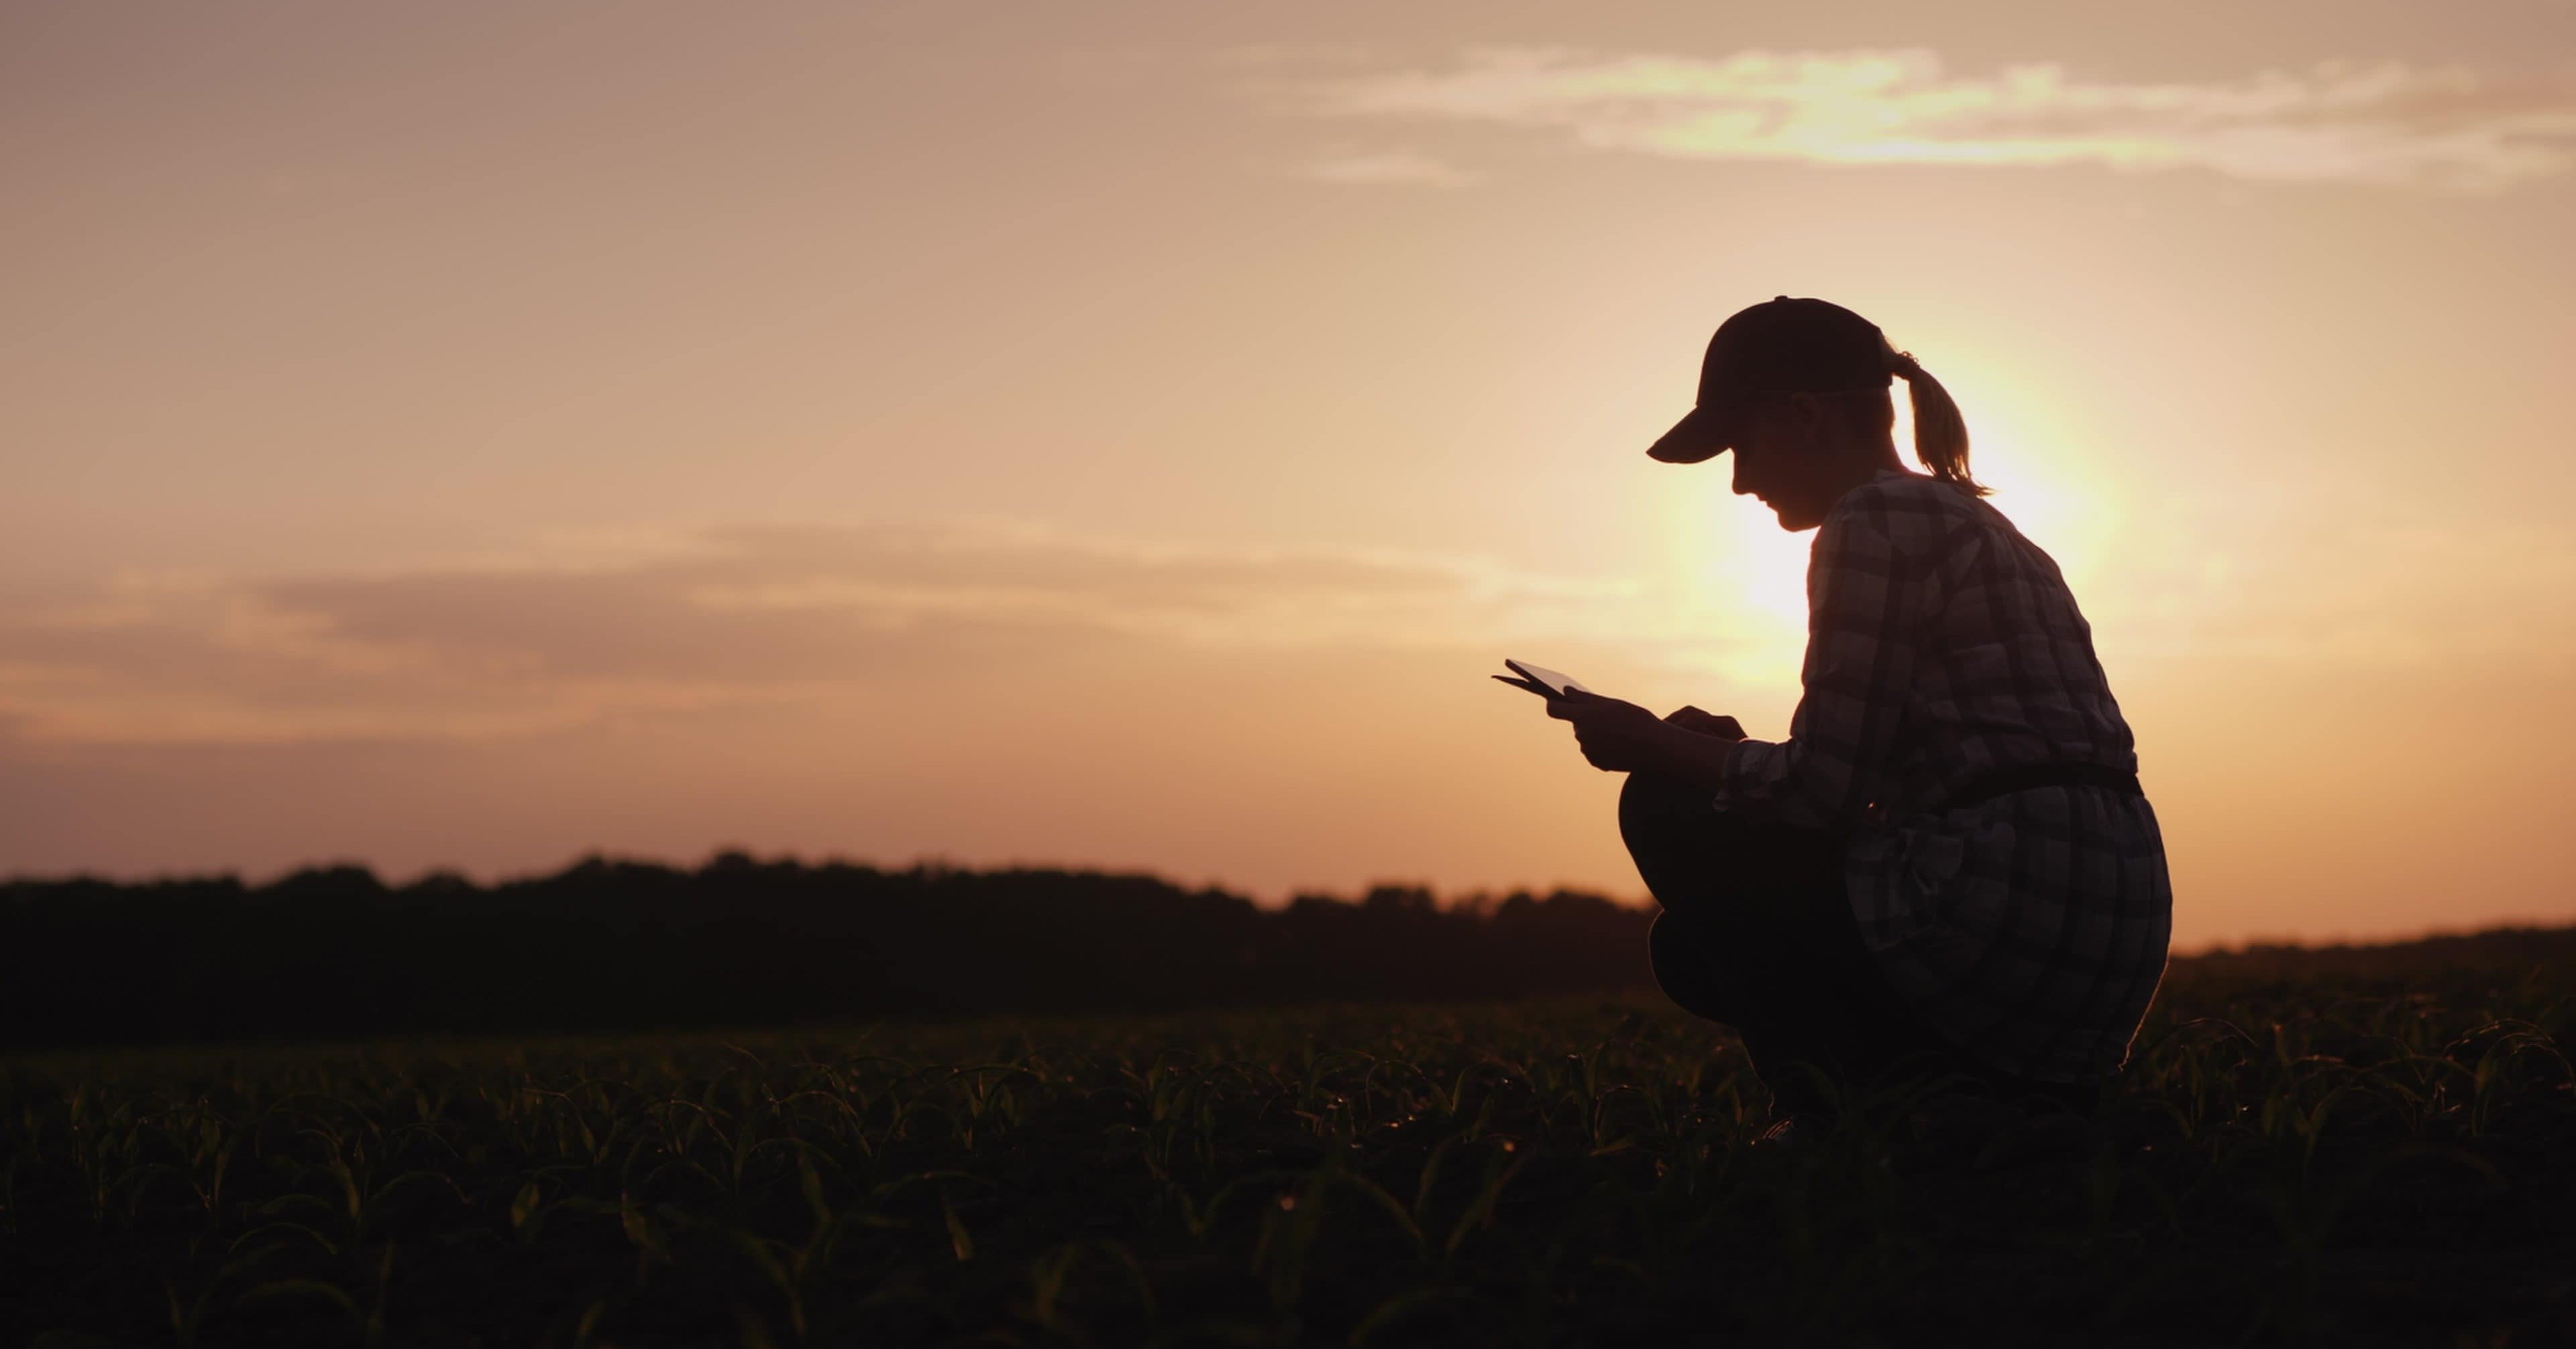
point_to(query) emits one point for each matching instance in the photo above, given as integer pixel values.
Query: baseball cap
(1782, 345)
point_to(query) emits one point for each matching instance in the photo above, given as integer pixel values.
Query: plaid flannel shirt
(2029, 928)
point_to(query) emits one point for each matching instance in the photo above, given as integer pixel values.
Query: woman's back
(2002, 669)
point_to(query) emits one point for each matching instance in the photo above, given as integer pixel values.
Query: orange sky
(470, 435)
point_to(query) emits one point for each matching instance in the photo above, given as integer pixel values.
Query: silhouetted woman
(1948, 863)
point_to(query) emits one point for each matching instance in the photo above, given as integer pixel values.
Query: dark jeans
(1757, 933)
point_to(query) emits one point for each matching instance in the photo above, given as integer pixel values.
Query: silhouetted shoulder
(1915, 513)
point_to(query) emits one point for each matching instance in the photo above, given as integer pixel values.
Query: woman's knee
(1692, 855)
(1665, 824)
(1653, 808)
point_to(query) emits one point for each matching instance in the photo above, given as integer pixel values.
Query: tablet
(1540, 680)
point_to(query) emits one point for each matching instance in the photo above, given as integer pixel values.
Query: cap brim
(1700, 435)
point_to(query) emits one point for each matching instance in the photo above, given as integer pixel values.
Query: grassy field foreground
(2341, 1157)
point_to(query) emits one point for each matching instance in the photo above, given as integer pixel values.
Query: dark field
(2353, 1150)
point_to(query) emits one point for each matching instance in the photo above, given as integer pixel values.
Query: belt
(2002, 781)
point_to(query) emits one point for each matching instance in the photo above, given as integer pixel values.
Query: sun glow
(2054, 511)
(1744, 579)
(2051, 490)
(1765, 565)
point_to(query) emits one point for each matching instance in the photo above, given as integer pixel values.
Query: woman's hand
(1706, 723)
(1615, 736)
(1621, 737)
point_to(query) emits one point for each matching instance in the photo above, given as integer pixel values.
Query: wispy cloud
(735, 617)
(1392, 168)
(2383, 123)
(748, 619)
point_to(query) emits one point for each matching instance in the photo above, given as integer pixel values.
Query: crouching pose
(1948, 865)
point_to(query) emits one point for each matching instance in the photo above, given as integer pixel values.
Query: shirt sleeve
(1864, 595)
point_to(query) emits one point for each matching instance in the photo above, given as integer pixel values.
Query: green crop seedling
(2295, 1155)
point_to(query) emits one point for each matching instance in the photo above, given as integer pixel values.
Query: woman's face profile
(1781, 459)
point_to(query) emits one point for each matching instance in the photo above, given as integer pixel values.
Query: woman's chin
(1796, 521)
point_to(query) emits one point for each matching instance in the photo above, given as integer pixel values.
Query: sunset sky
(472, 435)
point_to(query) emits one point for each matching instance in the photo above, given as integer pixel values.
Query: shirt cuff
(1739, 780)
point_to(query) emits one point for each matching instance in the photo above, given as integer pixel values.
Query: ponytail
(1940, 434)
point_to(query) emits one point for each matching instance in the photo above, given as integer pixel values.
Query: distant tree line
(619, 946)
(611, 945)
(2506, 952)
